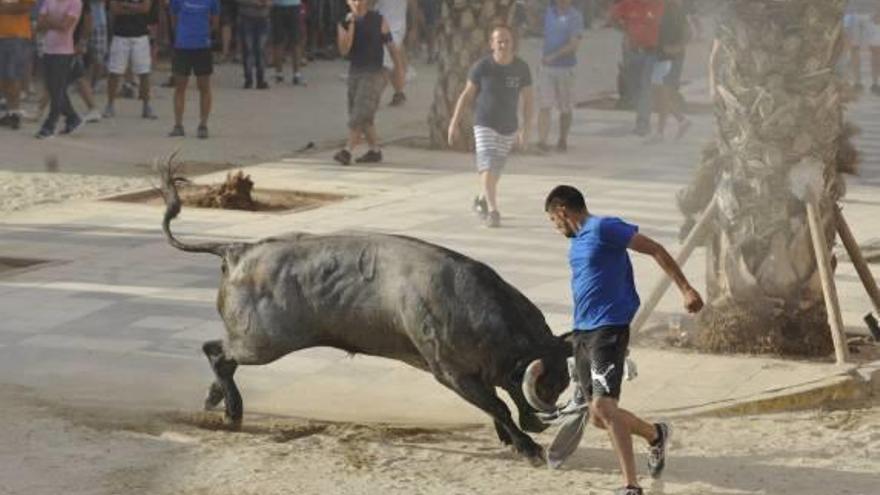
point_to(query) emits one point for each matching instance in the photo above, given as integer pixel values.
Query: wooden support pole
(829, 290)
(855, 255)
(686, 249)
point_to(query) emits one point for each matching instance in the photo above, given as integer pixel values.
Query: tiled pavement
(118, 316)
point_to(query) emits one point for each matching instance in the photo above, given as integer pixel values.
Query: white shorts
(398, 36)
(555, 86)
(133, 51)
(662, 68)
(861, 30)
(492, 149)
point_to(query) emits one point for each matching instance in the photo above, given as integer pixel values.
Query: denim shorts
(14, 55)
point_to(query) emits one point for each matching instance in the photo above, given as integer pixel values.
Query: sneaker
(262, 85)
(202, 132)
(629, 490)
(299, 80)
(372, 156)
(248, 84)
(480, 207)
(93, 116)
(397, 100)
(562, 146)
(657, 451)
(177, 131)
(44, 133)
(682, 129)
(109, 112)
(11, 120)
(343, 157)
(493, 220)
(71, 126)
(148, 113)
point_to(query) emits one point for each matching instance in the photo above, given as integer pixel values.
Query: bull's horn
(530, 380)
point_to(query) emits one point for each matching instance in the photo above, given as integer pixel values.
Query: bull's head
(547, 377)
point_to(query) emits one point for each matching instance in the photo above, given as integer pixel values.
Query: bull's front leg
(224, 387)
(483, 396)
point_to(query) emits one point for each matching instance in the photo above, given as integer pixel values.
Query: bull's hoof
(533, 452)
(214, 398)
(232, 424)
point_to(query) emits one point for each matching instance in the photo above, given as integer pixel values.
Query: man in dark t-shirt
(362, 36)
(130, 47)
(499, 82)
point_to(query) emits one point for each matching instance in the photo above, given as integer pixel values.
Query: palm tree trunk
(779, 111)
(463, 38)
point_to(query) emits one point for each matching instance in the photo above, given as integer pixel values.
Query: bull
(382, 295)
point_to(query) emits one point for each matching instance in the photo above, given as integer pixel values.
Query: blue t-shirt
(602, 284)
(559, 29)
(193, 30)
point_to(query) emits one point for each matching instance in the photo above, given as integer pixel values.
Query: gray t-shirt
(498, 95)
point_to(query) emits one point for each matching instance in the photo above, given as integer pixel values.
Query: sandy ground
(48, 449)
(23, 190)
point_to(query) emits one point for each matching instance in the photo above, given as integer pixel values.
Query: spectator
(229, 23)
(500, 83)
(97, 46)
(58, 19)
(563, 29)
(285, 37)
(394, 12)
(640, 21)
(193, 21)
(253, 28)
(431, 20)
(860, 22)
(15, 35)
(362, 36)
(130, 47)
(670, 49)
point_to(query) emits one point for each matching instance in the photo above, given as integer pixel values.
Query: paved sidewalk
(118, 316)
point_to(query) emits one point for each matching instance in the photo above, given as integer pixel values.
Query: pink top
(57, 41)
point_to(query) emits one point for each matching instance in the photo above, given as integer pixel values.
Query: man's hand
(692, 300)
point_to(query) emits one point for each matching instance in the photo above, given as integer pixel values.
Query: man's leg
(875, 69)
(205, 99)
(489, 185)
(147, 110)
(645, 93)
(543, 127)
(621, 425)
(180, 83)
(565, 119)
(246, 39)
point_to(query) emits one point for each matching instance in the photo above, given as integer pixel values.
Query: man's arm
(464, 99)
(345, 37)
(645, 245)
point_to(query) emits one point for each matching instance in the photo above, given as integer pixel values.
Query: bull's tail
(168, 186)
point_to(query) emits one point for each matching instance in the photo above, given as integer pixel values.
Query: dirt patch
(264, 200)
(10, 264)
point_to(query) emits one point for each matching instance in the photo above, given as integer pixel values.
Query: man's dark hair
(566, 196)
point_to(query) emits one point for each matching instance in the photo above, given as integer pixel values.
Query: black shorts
(199, 62)
(285, 25)
(600, 356)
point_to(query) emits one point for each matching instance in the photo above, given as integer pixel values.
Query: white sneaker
(93, 116)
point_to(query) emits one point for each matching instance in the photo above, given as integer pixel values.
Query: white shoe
(93, 116)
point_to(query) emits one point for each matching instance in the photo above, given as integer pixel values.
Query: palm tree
(463, 38)
(779, 109)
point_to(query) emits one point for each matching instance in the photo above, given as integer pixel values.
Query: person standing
(285, 38)
(58, 19)
(640, 21)
(563, 30)
(501, 83)
(253, 28)
(394, 12)
(130, 47)
(362, 36)
(97, 49)
(605, 301)
(15, 36)
(193, 21)
(666, 77)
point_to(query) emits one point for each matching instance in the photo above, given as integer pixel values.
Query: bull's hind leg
(483, 396)
(224, 387)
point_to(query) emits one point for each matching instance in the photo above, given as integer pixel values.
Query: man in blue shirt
(605, 301)
(193, 22)
(563, 29)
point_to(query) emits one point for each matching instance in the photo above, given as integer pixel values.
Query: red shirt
(640, 20)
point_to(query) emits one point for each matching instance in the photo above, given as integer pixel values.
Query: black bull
(389, 296)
